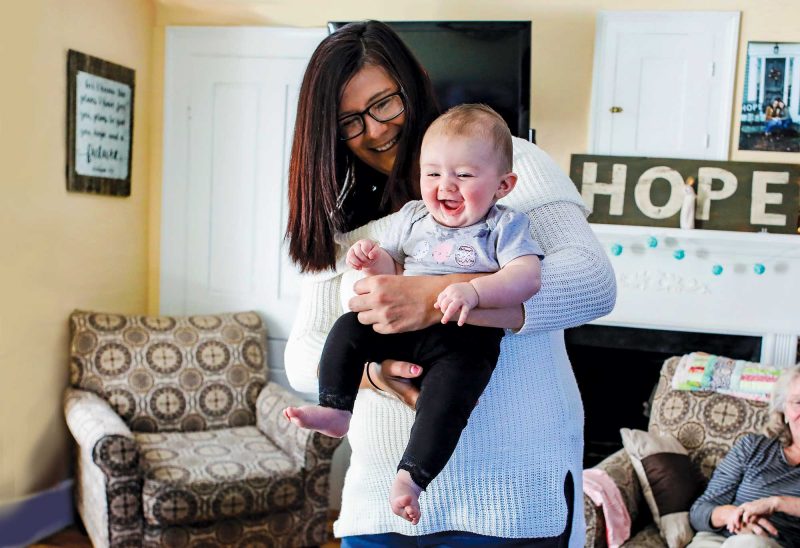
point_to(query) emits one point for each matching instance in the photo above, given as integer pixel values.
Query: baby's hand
(457, 297)
(362, 254)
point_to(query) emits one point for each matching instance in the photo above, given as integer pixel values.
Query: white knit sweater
(506, 477)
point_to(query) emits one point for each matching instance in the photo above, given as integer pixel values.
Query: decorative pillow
(738, 378)
(670, 482)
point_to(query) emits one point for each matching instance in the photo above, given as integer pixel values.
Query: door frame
(725, 25)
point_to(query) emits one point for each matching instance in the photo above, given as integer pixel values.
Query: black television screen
(474, 62)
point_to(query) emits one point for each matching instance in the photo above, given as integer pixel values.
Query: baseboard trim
(25, 521)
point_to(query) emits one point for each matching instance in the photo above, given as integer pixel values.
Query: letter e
(760, 199)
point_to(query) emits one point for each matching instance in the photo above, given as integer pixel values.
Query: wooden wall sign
(99, 125)
(739, 196)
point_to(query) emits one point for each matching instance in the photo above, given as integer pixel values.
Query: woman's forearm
(788, 505)
(578, 282)
(510, 317)
(396, 304)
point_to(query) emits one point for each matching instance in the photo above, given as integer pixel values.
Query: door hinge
(708, 140)
(713, 68)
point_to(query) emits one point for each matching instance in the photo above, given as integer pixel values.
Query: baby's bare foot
(404, 497)
(325, 420)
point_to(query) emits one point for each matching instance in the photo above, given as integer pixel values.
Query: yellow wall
(60, 250)
(562, 56)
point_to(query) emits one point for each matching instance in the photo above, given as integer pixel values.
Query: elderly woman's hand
(733, 519)
(752, 510)
(761, 527)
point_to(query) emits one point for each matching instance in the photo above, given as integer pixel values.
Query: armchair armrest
(618, 466)
(298, 443)
(100, 433)
(107, 474)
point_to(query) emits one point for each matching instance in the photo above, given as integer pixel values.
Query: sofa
(180, 438)
(707, 424)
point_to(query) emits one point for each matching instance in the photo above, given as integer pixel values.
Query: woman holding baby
(365, 104)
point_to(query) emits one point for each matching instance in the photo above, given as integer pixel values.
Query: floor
(72, 537)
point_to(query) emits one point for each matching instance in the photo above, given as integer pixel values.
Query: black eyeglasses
(383, 110)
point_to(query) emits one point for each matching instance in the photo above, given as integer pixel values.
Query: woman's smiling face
(377, 146)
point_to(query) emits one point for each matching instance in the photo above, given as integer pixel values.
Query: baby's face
(460, 178)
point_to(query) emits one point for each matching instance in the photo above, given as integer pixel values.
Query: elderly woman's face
(792, 409)
(377, 146)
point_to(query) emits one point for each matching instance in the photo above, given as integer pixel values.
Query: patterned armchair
(181, 440)
(707, 425)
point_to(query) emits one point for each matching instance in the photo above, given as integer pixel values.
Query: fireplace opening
(617, 371)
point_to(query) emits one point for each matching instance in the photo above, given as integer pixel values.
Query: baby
(457, 227)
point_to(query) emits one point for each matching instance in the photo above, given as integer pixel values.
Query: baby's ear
(507, 184)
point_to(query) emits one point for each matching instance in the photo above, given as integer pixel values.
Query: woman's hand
(761, 527)
(396, 304)
(755, 509)
(394, 377)
(733, 520)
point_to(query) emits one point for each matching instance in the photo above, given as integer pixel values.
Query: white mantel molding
(657, 291)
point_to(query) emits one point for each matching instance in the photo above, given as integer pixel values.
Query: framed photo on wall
(99, 125)
(771, 98)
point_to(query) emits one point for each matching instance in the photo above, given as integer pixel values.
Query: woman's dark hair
(320, 161)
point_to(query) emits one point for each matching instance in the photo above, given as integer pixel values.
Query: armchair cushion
(163, 373)
(706, 423)
(214, 475)
(648, 537)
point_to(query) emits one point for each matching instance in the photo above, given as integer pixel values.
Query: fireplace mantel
(656, 290)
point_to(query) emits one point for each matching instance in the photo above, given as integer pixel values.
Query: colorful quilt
(739, 378)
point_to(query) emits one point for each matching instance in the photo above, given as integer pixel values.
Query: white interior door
(663, 84)
(229, 110)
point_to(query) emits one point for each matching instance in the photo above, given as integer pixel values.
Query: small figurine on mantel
(688, 205)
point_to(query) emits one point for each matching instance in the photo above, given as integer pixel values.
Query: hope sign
(743, 196)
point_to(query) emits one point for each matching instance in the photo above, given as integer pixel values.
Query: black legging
(457, 363)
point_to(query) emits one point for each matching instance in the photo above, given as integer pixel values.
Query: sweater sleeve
(319, 307)
(578, 283)
(317, 310)
(722, 488)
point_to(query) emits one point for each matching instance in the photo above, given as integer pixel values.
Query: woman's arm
(714, 508)
(317, 311)
(788, 505)
(577, 284)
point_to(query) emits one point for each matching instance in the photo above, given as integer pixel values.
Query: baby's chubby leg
(325, 420)
(404, 497)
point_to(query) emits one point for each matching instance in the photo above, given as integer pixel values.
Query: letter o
(645, 183)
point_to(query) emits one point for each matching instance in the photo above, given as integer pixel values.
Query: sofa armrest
(101, 433)
(298, 443)
(618, 466)
(595, 524)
